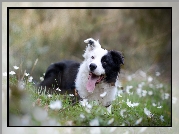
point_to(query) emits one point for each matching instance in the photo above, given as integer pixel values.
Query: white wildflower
(174, 100)
(82, 116)
(71, 94)
(84, 102)
(49, 95)
(56, 105)
(12, 73)
(131, 104)
(144, 93)
(128, 89)
(138, 121)
(165, 96)
(147, 112)
(157, 73)
(44, 74)
(150, 92)
(41, 78)
(103, 94)
(15, 67)
(58, 89)
(21, 85)
(26, 74)
(154, 104)
(4, 74)
(161, 118)
(159, 107)
(139, 91)
(110, 121)
(135, 104)
(150, 79)
(30, 79)
(94, 122)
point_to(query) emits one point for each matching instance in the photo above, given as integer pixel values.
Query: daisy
(30, 79)
(71, 94)
(26, 74)
(138, 121)
(150, 79)
(147, 112)
(84, 102)
(15, 67)
(58, 89)
(157, 73)
(41, 78)
(56, 105)
(12, 73)
(49, 95)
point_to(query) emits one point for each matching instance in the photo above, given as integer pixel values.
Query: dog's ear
(92, 44)
(117, 57)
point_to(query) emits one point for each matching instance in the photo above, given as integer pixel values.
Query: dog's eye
(104, 63)
(92, 57)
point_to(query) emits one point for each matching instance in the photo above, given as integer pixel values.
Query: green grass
(25, 101)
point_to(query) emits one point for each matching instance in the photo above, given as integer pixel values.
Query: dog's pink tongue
(92, 79)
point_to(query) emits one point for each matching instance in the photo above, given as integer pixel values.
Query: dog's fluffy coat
(96, 78)
(98, 73)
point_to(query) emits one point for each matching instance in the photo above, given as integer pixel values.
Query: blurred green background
(51, 35)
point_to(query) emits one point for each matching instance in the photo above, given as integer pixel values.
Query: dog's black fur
(60, 75)
(111, 63)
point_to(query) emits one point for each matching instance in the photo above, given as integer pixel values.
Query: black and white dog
(98, 73)
(60, 77)
(95, 78)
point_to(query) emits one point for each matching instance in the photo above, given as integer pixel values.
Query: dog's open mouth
(92, 81)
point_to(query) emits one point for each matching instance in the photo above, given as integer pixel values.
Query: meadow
(50, 35)
(142, 100)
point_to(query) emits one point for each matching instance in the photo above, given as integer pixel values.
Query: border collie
(97, 77)
(60, 77)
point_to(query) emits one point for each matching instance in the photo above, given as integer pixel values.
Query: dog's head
(101, 64)
(92, 55)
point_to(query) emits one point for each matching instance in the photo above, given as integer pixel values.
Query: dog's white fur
(98, 94)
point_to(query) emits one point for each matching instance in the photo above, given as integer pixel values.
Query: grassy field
(142, 100)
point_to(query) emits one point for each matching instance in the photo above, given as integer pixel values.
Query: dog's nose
(92, 66)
